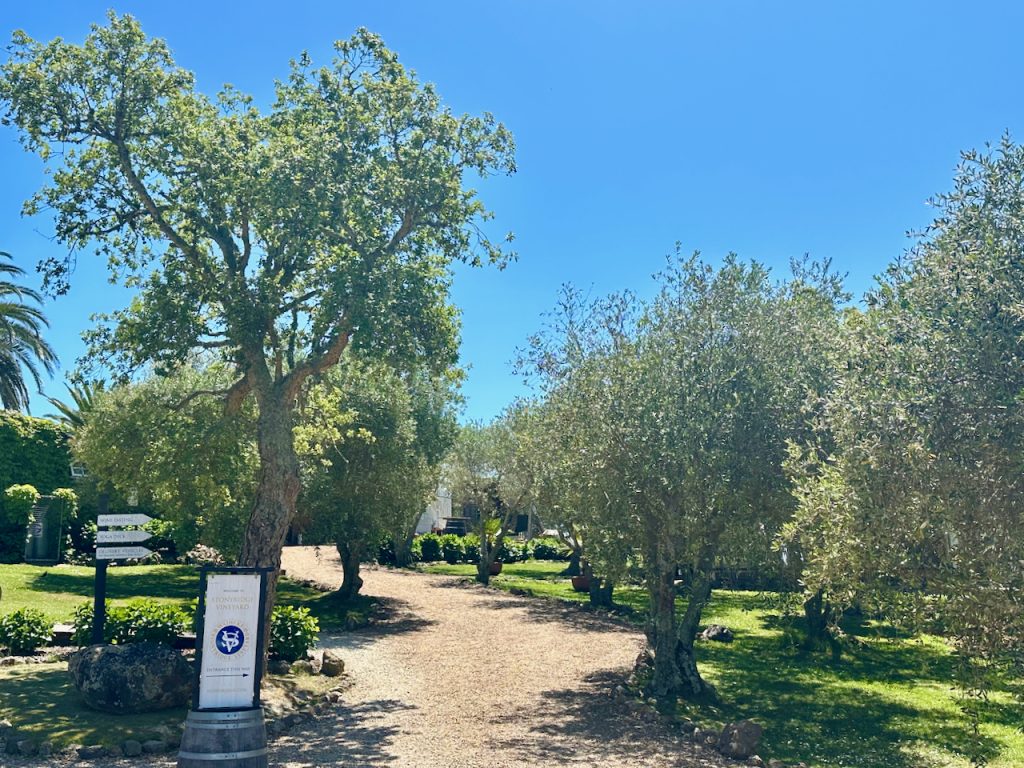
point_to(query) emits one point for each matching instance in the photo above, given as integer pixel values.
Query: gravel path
(464, 676)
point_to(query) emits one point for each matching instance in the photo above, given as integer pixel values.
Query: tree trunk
(601, 592)
(277, 490)
(351, 582)
(666, 681)
(403, 545)
(573, 569)
(693, 686)
(817, 632)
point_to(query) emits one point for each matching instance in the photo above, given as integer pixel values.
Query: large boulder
(137, 677)
(739, 740)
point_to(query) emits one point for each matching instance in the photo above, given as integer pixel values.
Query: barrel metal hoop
(226, 725)
(249, 714)
(222, 755)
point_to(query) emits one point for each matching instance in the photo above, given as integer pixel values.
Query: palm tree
(22, 347)
(83, 398)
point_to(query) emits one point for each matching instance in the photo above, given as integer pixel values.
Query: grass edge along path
(888, 703)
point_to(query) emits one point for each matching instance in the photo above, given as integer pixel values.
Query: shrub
(141, 621)
(386, 552)
(18, 503)
(292, 632)
(24, 630)
(548, 548)
(453, 549)
(430, 547)
(471, 548)
(513, 551)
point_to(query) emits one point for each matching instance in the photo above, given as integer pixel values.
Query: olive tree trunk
(351, 555)
(692, 685)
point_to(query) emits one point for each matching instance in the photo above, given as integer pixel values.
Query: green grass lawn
(57, 590)
(888, 703)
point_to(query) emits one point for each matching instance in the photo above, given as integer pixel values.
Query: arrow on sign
(244, 674)
(121, 553)
(135, 518)
(122, 537)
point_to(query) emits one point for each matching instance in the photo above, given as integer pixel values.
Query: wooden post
(99, 605)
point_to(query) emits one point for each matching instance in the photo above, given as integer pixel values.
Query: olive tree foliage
(915, 507)
(188, 460)
(372, 440)
(276, 237)
(490, 471)
(687, 402)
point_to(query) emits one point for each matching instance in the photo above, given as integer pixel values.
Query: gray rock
(131, 748)
(27, 747)
(45, 749)
(8, 661)
(711, 739)
(279, 667)
(132, 678)
(740, 740)
(755, 761)
(717, 633)
(302, 667)
(333, 664)
(316, 660)
(153, 746)
(92, 751)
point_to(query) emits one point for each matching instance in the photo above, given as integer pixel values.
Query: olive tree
(914, 508)
(277, 237)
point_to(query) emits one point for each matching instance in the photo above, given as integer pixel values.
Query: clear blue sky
(767, 128)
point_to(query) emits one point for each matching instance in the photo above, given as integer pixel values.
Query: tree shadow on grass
(41, 701)
(164, 581)
(843, 713)
(571, 727)
(347, 735)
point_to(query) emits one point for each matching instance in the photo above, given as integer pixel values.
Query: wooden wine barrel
(224, 740)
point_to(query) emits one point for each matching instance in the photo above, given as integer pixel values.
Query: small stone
(274, 728)
(27, 747)
(132, 748)
(45, 749)
(302, 667)
(711, 739)
(154, 746)
(776, 763)
(92, 751)
(279, 667)
(740, 740)
(8, 661)
(290, 721)
(755, 761)
(333, 664)
(717, 633)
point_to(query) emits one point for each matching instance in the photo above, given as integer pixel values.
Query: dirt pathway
(462, 676)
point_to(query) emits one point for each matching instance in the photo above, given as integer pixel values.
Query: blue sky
(769, 129)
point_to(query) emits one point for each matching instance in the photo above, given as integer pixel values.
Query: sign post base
(224, 740)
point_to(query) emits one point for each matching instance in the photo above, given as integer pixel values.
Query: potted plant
(495, 568)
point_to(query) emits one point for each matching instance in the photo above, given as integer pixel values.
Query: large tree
(276, 237)
(22, 346)
(911, 501)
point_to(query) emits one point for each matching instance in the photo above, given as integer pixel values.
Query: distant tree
(187, 459)
(22, 347)
(276, 238)
(371, 452)
(83, 397)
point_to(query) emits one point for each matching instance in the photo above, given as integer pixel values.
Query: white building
(436, 512)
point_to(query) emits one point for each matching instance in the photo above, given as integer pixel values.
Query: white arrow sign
(122, 537)
(121, 553)
(135, 518)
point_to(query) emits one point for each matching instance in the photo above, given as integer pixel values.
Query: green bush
(18, 503)
(141, 621)
(548, 548)
(453, 550)
(471, 548)
(292, 632)
(430, 547)
(513, 551)
(24, 630)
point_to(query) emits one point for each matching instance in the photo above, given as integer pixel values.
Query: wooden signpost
(105, 554)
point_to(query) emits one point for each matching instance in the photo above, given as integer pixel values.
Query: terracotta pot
(495, 568)
(581, 583)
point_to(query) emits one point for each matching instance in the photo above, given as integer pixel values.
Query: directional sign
(122, 537)
(122, 553)
(135, 518)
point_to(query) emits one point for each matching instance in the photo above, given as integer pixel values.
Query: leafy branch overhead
(333, 215)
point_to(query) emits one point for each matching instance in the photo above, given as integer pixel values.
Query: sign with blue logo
(227, 673)
(230, 639)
